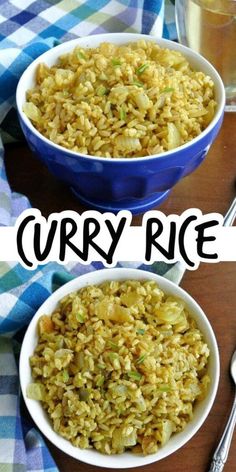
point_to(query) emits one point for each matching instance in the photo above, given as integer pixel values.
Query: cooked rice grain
(119, 366)
(131, 100)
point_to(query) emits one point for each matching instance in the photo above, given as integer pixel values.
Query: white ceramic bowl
(125, 460)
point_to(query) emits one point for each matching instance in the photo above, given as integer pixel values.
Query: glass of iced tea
(209, 27)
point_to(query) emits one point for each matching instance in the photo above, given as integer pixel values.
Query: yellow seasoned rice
(119, 366)
(131, 100)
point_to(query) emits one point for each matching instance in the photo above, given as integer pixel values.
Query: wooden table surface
(210, 188)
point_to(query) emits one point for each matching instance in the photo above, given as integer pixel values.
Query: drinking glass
(209, 27)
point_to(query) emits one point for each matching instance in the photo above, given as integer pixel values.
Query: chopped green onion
(80, 55)
(122, 114)
(102, 91)
(141, 359)
(100, 380)
(141, 69)
(134, 375)
(80, 317)
(140, 331)
(101, 366)
(84, 394)
(137, 83)
(116, 62)
(113, 355)
(163, 388)
(65, 376)
(167, 89)
(113, 345)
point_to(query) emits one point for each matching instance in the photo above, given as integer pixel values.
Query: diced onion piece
(127, 143)
(35, 391)
(173, 59)
(141, 404)
(142, 101)
(196, 113)
(120, 389)
(160, 101)
(121, 314)
(122, 437)
(130, 298)
(130, 439)
(57, 413)
(167, 430)
(182, 324)
(63, 358)
(118, 94)
(171, 311)
(32, 111)
(64, 77)
(173, 136)
(194, 388)
(105, 310)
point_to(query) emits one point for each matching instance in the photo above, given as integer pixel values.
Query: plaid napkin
(22, 449)
(11, 203)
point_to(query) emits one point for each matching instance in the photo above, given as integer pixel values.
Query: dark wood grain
(210, 188)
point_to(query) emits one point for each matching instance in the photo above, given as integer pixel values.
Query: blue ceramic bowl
(135, 184)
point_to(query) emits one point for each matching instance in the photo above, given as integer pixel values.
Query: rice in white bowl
(119, 366)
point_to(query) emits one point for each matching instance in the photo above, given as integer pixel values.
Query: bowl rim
(96, 458)
(164, 43)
